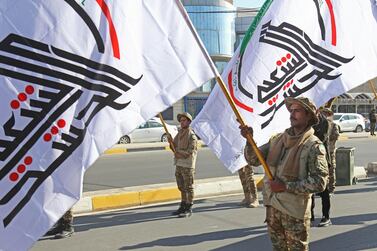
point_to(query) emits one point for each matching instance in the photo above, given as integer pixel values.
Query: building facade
(214, 22)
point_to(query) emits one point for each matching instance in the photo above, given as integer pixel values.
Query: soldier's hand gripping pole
(249, 137)
(170, 140)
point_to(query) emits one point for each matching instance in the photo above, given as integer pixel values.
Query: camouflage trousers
(286, 232)
(332, 178)
(249, 187)
(66, 220)
(185, 182)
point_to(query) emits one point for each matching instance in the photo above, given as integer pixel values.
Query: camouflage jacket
(313, 176)
(333, 136)
(189, 153)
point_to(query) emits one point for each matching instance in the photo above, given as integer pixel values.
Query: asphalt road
(219, 224)
(145, 168)
(154, 167)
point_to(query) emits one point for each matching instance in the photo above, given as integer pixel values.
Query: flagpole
(219, 80)
(167, 133)
(373, 89)
(330, 102)
(241, 121)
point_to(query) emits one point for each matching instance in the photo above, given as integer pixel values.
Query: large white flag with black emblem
(74, 77)
(313, 48)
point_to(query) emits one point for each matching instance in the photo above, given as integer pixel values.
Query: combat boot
(187, 211)
(57, 228)
(67, 231)
(180, 210)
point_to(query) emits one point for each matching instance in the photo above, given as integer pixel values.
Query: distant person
(64, 227)
(372, 120)
(249, 187)
(297, 159)
(185, 145)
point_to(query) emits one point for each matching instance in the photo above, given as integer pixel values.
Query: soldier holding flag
(298, 163)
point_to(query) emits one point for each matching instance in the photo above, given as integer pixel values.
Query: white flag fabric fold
(75, 76)
(317, 49)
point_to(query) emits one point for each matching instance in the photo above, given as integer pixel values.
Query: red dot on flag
(54, 130)
(278, 63)
(22, 97)
(13, 176)
(270, 102)
(21, 168)
(29, 89)
(288, 55)
(47, 137)
(28, 160)
(61, 123)
(15, 104)
(284, 59)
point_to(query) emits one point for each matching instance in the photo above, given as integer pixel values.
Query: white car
(150, 131)
(349, 122)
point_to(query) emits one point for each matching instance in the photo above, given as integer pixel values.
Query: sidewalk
(145, 195)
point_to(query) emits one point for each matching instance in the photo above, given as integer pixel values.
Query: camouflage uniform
(185, 169)
(67, 219)
(64, 227)
(289, 211)
(333, 137)
(249, 187)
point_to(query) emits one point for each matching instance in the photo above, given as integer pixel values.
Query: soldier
(332, 137)
(298, 163)
(185, 145)
(249, 187)
(64, 227)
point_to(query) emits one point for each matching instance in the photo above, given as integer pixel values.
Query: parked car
(150, 131)
(349, 122)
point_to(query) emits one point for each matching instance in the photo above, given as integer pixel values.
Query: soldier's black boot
(57, 228)
(187, 212)
(67, 231)
(180, 210)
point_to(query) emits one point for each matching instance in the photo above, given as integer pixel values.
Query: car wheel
(124, 140)
(359, 128)
(164, 138)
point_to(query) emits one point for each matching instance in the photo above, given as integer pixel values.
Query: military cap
(184, 114)
(306, 104)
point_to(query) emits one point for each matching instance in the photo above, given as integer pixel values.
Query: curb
(152, 194)
(121, 149)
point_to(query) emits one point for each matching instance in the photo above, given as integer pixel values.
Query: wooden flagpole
(241, 121)
(330, 102)
(222, 85)
(167, 133)
(373, 89)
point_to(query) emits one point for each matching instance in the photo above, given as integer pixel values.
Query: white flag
(316, 49)
(74, 77)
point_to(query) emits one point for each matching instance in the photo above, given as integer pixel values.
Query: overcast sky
(248, 3)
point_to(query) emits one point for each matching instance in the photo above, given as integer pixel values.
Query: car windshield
(337, 116)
